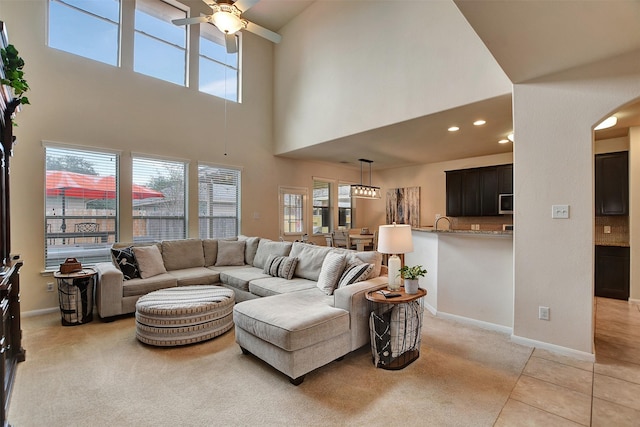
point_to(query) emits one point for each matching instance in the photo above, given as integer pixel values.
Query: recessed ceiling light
(479, 122)
(503, 141)
(510, 137)
(607, 123)
(453, 128)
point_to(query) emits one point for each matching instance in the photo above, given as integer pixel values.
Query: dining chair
(86, 227)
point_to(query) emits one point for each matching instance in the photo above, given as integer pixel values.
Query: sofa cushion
(268, 247)
(355, 273)
(185, 253)
(239, 278)
(250, 248)
(137, 287)
(292, 321)
(370, 257)
(149, 261)
(196, 276)
(125, 260)
(310, 258)
(278, 285)
(230, 252)
(332, 268)
(280, 266)
(210, 249)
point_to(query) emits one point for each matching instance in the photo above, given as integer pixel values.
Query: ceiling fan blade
(230, 42)
(245, 5)
(189, 21)
(263, 32)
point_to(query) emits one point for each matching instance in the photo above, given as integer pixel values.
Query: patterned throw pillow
(280, 266)
(355, 273)
(332, 268)
(126, 262)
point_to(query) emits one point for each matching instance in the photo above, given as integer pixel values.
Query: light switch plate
(607, 229)
(560, 211)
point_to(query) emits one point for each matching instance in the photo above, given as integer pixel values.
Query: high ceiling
(528, 39)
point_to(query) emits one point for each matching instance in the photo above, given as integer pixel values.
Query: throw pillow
(182, 253)
(332, 268)
(268, 247)
(280, 266)
(149, 261)
(355, 273)
(230, 253)
(126, 262)
(371, 257)
(250, 249)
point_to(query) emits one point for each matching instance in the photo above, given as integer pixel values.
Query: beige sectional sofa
(296, 306)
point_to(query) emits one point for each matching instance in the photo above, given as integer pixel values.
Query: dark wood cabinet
(612, 272)
(612, 183)
(474, 192)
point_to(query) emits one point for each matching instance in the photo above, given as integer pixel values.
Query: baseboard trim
(565, 351)
(634, 301)
(479, 323)
(40, 312)
(431, 309)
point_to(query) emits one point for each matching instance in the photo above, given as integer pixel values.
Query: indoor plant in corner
(410, 276)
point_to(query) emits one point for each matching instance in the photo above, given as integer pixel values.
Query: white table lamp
(393, 240)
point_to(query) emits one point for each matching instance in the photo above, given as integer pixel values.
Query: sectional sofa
(298, 306)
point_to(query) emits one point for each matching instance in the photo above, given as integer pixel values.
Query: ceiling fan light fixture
(227, 18)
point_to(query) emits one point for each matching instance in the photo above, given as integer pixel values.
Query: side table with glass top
(75, 292)
(395, 325)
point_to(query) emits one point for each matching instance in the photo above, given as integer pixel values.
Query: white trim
(159, 157)
(565, 351)
(72, 146)
(634, 301)
(479, 323)
(431, 309)
(221, 165)
(40, 312)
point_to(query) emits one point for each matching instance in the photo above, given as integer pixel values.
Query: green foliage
(71, 164)
(412, 272)
(174, 180)
(13, 74)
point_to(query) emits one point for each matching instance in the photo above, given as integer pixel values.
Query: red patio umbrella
(79, 185)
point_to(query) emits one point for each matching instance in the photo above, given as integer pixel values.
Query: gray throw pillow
(332, 268)
(230, 253)
(149, 261)
(268, 247)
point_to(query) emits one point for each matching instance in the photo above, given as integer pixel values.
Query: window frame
(297, 191)
(237, 202)
(235, 69)
(329, 209)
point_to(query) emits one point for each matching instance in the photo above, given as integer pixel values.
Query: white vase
(411, 286)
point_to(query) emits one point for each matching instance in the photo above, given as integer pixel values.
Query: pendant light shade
(362, 191)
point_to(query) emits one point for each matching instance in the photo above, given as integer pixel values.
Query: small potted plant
(410, 276)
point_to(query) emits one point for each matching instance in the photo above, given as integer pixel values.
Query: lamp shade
(395, 239)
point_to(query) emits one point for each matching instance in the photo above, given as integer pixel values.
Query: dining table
(361, 240)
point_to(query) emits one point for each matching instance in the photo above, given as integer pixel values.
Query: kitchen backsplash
(619, 227)
(485, 223)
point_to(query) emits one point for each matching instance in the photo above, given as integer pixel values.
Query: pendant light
(362, 191)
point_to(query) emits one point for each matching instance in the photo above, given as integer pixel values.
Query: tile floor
(561, 391)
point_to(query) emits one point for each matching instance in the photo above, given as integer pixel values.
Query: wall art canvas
(403, 206)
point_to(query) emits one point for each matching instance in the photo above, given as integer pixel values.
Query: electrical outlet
(560, 211)
(543, 313)
(49, 286)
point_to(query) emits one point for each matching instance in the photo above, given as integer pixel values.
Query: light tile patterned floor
(557, 390)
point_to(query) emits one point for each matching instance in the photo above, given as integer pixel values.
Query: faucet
(443, 217)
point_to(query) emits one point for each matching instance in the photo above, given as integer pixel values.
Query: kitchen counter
(472, 232)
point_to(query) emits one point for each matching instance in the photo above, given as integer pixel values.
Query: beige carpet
(98, 374)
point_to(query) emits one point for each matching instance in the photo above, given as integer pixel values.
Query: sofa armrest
(352, 298)
(108, 289)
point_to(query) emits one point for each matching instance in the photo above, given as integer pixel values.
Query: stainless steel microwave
(505, 204)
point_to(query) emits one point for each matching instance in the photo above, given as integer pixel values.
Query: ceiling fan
(227, 17)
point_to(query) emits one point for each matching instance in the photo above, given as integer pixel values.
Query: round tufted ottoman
(184, 315)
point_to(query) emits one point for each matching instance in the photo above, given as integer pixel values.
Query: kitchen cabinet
(474, 192)
(612, 272)
(612, 183)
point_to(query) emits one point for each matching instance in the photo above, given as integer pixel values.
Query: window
(292, 206)
(86, 28)
(160, 46)
(344, 206)
(218, 69)
(218, 201)
(81, 200)
(158, 199)
(322, 212)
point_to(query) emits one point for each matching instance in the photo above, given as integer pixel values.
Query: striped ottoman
(184, 315)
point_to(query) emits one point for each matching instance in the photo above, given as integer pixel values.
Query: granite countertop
(619, 244)
(473, 232)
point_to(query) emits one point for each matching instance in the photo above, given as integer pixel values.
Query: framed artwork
(403, 206)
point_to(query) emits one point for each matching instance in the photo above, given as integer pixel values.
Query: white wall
(553, 157)
(345, 68)
(78, 101)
